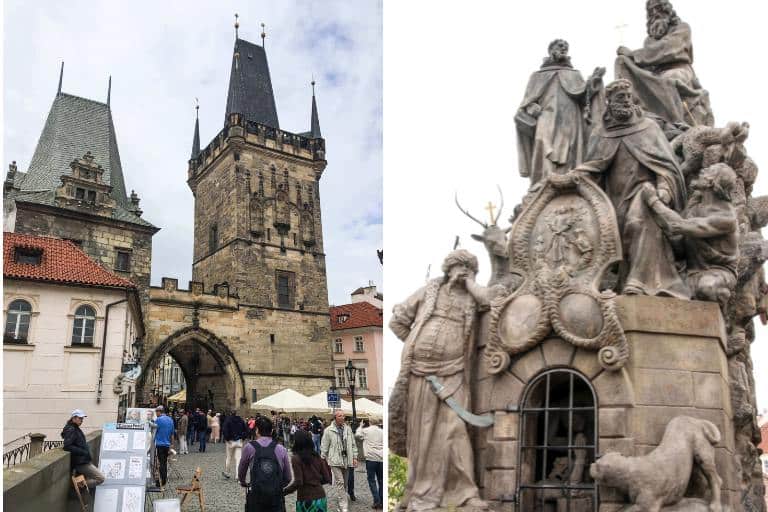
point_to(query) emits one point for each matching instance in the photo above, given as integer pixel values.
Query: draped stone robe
(437, 325)
(557, 142)
(627, 157)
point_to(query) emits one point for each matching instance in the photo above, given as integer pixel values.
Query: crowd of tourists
(257, 453)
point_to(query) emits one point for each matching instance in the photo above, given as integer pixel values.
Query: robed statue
(626, 152)
(552, 119)
(661, 72)
(430, 401)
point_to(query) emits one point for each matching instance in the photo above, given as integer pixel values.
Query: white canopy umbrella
(369, 408)
(287, 401)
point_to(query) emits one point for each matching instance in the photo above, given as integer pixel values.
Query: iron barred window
(17, 321)
(558, 433)
(85, 321)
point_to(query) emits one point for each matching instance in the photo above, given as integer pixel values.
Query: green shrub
(398, 474)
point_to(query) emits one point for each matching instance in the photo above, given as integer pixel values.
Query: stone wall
(240, 194)
(261, 348)
(677, 366)
(43, 484)
(100, 240)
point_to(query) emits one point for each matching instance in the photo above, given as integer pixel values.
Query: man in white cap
(74, 443)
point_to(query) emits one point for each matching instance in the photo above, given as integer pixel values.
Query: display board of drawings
(123, 460)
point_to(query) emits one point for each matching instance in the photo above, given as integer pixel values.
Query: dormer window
(82, 194)
(28, 255)
(343, 317)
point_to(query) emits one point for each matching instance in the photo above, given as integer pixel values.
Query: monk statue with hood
(626, 152)
(553, 118)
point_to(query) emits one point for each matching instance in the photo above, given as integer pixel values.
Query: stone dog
(661, 477)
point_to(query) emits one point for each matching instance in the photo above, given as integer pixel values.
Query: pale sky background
(162, 55)
(455, 74)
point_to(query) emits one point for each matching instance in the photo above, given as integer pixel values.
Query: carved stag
(494, 239)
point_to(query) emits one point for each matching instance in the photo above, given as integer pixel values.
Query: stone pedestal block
(677, 366)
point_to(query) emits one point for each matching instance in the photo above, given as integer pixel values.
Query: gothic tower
(257, 206)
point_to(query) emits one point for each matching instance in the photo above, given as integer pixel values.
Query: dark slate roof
(47, 198)
(315, 122)
(76, 125)
(250, 86)
(196, 139)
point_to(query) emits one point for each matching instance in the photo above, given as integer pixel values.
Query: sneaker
(225, 475)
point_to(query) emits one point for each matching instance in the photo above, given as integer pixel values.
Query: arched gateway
(212, 374)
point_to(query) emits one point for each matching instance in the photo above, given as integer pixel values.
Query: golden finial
(237, 24)
(490, 207)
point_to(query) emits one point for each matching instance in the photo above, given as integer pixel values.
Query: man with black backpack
(269, 469)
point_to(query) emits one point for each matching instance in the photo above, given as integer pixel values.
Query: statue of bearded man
(627, 152)
(661, 72)
(437, 325)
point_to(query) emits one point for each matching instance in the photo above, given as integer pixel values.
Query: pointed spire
(61, 77)
(196, 137)
(315, 122)
(109, 90)
(237, 25)
(263, 34)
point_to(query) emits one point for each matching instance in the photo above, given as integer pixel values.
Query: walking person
(372, 437)
(316, 426)
(267, 464)
(215, 426)
(234, 431)
(201, 427)
(163, 442)
(183, 427)
(310, 473)
(75, 444)
(339, 450)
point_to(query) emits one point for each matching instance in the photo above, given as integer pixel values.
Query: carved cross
(490, 207)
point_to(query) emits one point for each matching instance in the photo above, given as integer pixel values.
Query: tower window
(272, 339)
(285, 284)
(214, 237)
(80, 193)
(254, 396)
(91, 196)
(123, 261)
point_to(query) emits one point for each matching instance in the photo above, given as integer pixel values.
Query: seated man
(74, 443)
(661, 72)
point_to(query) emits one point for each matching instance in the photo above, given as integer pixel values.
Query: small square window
(80, 193)
(28, 255)
(91, 196)
(123, 261)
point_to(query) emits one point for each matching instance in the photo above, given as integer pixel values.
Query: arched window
(558, 439)
(85, 320)
(17, 321)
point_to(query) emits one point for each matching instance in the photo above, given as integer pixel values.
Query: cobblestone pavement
(222, 495)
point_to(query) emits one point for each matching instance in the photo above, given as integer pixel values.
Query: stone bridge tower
(255, 318)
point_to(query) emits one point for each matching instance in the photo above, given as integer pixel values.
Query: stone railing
(43, 482)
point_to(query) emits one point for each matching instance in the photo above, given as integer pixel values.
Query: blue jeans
(201, 436)
(316, 441)
(375, 470)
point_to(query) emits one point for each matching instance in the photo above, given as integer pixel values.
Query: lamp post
(351, 376)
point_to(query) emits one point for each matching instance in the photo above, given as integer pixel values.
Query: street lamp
(351, 376)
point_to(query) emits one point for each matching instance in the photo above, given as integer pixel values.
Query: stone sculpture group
(634, 191)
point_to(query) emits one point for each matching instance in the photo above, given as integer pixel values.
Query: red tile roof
(61, 262)
(764, 434)
(361, 314)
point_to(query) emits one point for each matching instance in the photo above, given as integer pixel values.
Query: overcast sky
(455, 74)
(162, 55)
